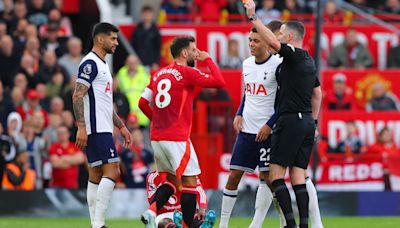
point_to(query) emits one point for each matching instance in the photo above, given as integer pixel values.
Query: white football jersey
(98, 102)
(260, 87)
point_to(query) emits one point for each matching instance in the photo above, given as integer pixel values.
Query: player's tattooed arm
(77, 102)
(117, 121)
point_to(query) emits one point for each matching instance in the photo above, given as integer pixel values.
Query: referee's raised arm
(267, 35)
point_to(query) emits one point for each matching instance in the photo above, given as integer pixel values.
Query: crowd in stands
(200, 11)
(39, 59)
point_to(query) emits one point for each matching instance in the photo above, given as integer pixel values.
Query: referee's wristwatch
(253, 17)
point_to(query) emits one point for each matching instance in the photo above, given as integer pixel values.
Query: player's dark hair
(180, 43)
(274, 26)
(103, 28)
(297, 27)
(146, 8)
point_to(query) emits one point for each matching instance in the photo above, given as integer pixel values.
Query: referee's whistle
(300, 115)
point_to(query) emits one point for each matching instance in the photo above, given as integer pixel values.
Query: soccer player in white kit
(93, 108)
(253, 123)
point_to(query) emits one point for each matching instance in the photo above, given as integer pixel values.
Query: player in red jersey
(171, 90)
(165, 214)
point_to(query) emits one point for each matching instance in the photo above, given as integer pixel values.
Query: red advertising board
(214, 38)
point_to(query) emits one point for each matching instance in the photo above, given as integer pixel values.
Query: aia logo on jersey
(255, 89)
(108, 88)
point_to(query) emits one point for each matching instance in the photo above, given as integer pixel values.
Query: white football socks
(313, 205)
(91, 199)
(228, 201)
(263, 202)
(105, 189)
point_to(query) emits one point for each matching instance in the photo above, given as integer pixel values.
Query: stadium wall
(131, 203)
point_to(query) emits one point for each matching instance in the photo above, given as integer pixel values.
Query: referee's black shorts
(292, 140)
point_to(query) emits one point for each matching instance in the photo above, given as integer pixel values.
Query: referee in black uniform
(293, 135)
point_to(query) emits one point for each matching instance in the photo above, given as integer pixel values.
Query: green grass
(340, 222)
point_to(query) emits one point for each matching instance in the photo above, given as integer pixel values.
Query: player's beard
(108, 50)
(190, 62)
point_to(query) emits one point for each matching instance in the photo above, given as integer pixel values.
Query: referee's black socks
(302, 203)
(283, 196)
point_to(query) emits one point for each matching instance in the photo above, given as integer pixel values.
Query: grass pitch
(340, 222)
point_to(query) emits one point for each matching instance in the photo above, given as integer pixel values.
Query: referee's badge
(87, 69)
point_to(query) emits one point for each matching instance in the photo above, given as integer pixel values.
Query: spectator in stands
(394, 57)
(50, 67)
(208, 10)
(69, 122)
(235, 10)
(132, 122)
(65, 158)
(146, 39)
(268, 13)
(54, 42)
(20, 12)
(21, 82)
(351, 53)
(384, 149)
(70, 61)
(31, 31)
(341, 96)
(6, 105)
(38, 11)
(17, 174)
(292, 7)
(381, 99)
(233, 59)
(57, 106)
(392, 6)
(44, 97)
(56, 20)
(36, 148)
(19, 35)
(120, 100)
(50, 132)
(135, 162)
(7, 12)
(56, 85)
(3, 28)
(17, 95)
(28, 108)
(351, 143)
(177, 10)
(133, 79)
(332, 14)
(9, 60)
(32, 49)
(384, 145)
(14, 125)
(28, 71)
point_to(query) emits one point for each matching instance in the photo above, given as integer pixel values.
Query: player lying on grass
(169, 216)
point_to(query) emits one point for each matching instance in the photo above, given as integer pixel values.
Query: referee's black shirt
(296, 79)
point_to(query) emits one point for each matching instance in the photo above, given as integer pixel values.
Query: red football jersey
(153, 181)
(172, 90)
(64, 178)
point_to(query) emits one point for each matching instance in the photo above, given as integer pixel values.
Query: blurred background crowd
(43, 41)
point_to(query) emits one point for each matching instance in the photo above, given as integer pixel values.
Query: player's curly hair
(180, 43)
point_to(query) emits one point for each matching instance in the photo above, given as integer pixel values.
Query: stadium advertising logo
(363, 87)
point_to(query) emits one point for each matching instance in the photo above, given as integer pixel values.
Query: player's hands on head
(127, 137)
(238, 123)
(81, 138)
(202, 55)
(263, 133)
(250, 7)
(202, 213)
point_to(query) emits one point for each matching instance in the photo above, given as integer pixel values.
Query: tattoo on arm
(77, 101)
(117, 121)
